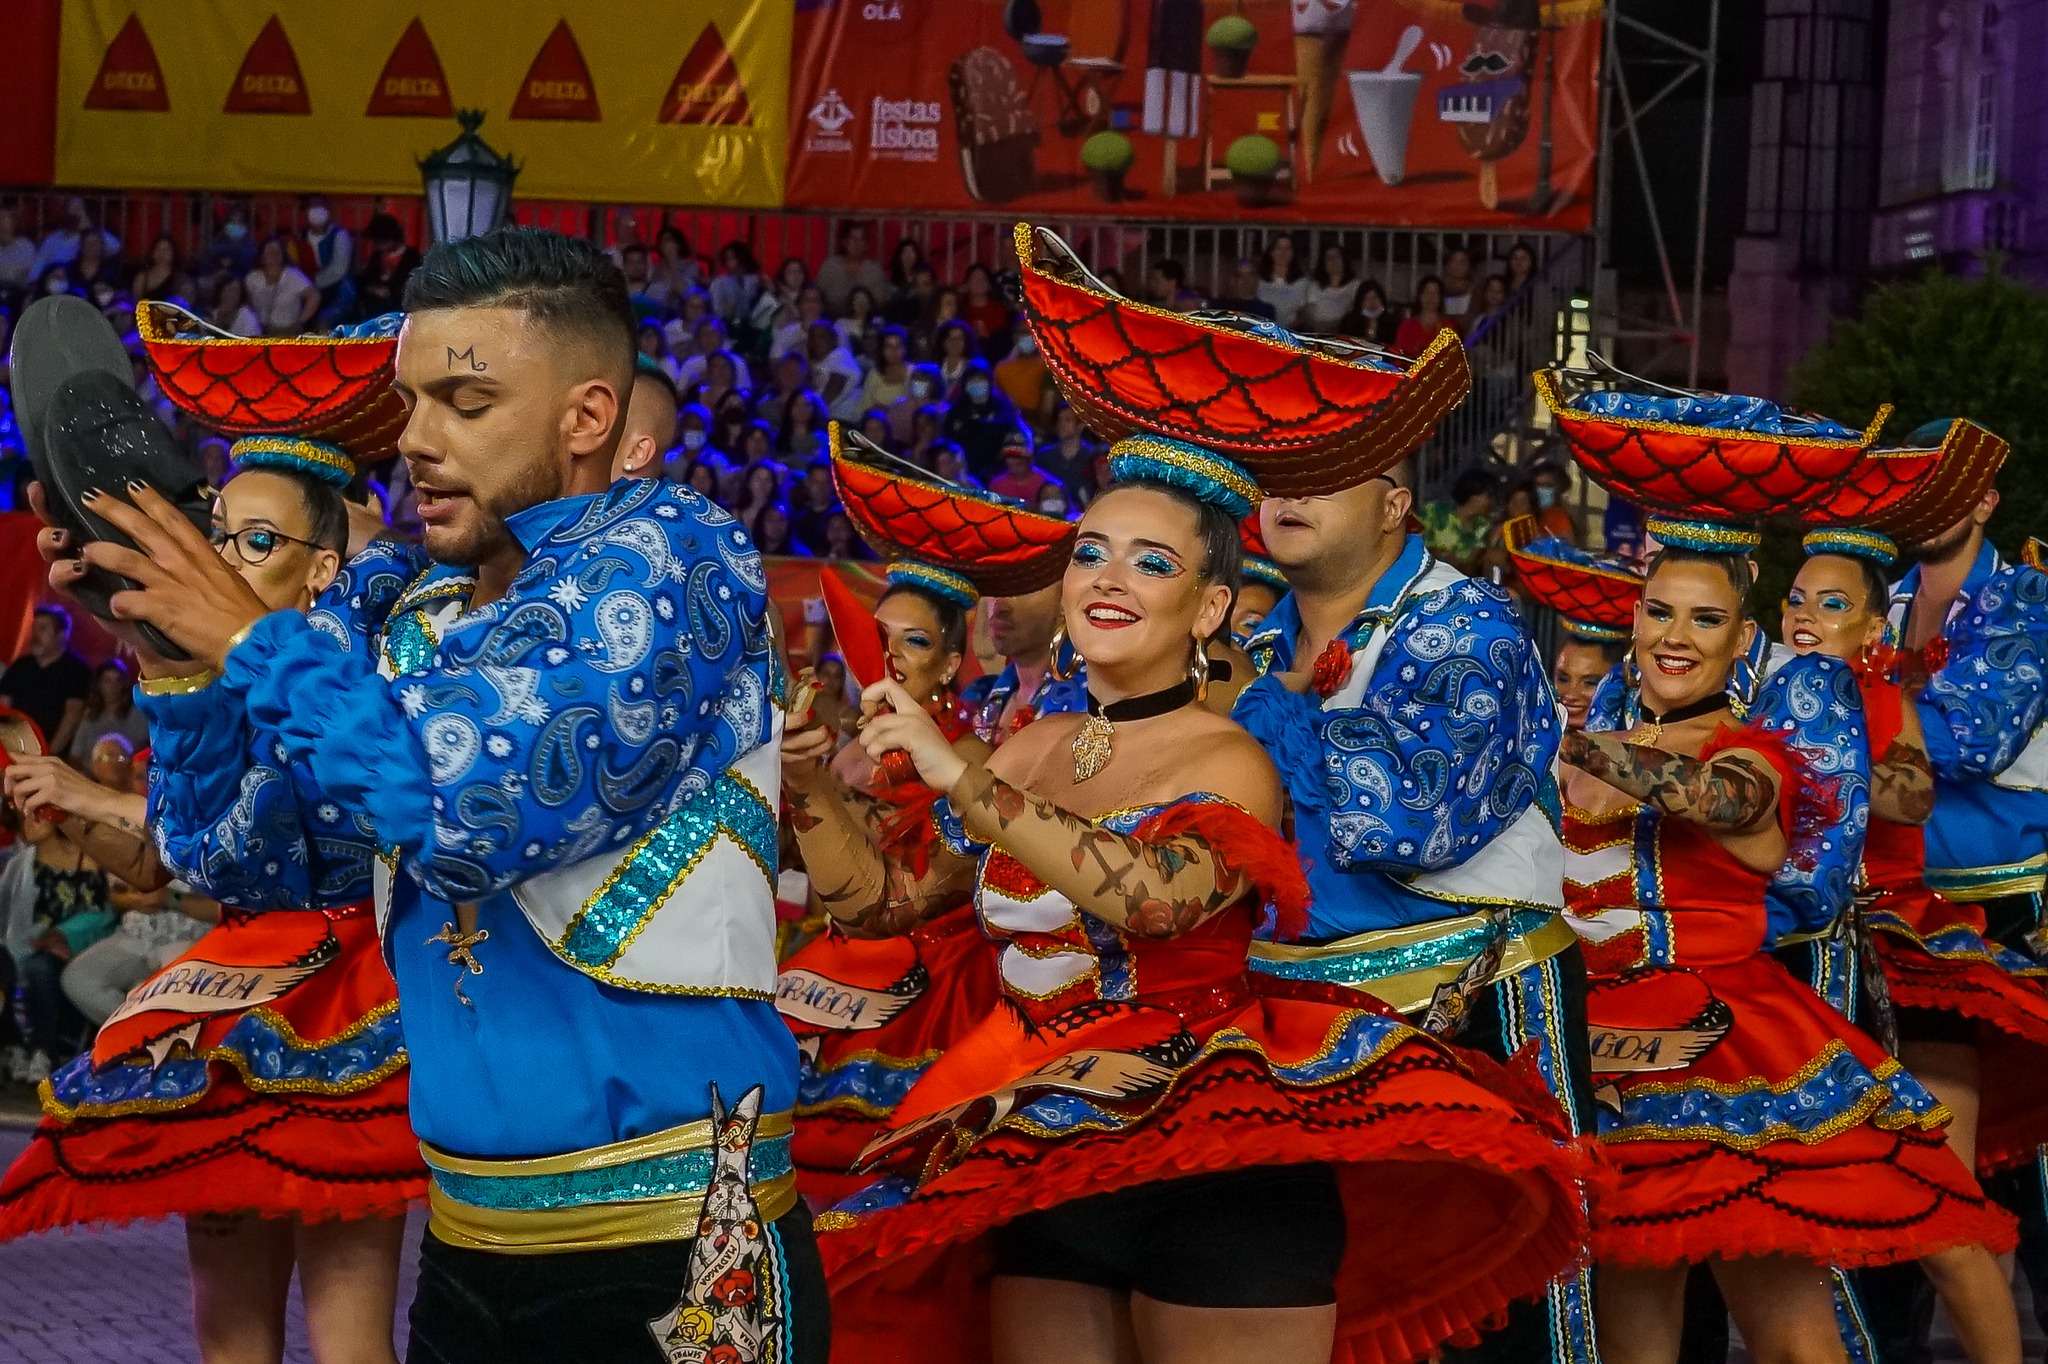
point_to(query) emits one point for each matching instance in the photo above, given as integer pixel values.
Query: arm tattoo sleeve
(1730, 791)
(1151, 889)
(1902, 784)
(866, 890)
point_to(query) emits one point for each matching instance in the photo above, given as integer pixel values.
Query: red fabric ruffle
(232, 1152)
(1243, 846)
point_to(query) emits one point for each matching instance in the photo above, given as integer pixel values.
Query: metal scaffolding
(1639, 56)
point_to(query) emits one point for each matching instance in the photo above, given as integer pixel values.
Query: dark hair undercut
(568, 287)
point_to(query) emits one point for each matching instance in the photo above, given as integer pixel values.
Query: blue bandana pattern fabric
(1719, 411)
(626, 668)
(1453, 741)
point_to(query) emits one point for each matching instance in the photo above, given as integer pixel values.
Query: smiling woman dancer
(1140, 1127)
(273, 1117)
(1754, 1129)
(874, 1012)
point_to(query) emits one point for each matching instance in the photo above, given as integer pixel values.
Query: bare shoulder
(1026, 748)
(1222, 759)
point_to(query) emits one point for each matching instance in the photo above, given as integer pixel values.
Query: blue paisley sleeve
(1454, 739)
(627, 667)
(1609, 710)
(1984, 705)
(1814, 703)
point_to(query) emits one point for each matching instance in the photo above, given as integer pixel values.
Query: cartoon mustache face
(1485, 64)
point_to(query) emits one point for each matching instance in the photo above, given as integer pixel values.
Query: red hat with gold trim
(960, 543)
(1594, 598)
(1908, 494)
(1303, 416)
(1708, 468)
(333, 389)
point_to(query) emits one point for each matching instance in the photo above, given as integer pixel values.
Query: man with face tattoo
(556, 725)
(1409, 714)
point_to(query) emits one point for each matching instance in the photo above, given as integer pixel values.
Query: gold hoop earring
(1059, 646)
(1198, 669)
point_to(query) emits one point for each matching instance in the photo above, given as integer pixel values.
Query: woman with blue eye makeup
(1963, 1008)
(1144, 1151)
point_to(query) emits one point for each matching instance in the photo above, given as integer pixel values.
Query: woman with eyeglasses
(256, 1086)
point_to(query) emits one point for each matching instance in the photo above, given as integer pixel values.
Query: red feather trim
(1242, 845)
(908, 830)
(1800, 791)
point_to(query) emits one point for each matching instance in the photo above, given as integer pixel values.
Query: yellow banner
(641, 100)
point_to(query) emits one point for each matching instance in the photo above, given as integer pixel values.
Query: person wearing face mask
(1549, 485)
(922, 388)
(1141, 1141)
(1370, 319)
(275, 1117)
(693, 440)
(233, 246)
(981, 421)
(330, 258)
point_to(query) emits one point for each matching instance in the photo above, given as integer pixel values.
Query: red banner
(1394, 112)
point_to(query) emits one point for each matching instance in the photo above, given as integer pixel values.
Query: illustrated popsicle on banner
(1316, 110)
(630, 106)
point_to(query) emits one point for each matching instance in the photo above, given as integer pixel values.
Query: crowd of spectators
(938, 372)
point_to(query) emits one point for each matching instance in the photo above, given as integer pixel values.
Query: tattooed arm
(1734, 791)
(106, 825)
(869, 892)
(1902, 778)
(1156, 889)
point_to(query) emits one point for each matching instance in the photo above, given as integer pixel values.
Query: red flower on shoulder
(724, 1354)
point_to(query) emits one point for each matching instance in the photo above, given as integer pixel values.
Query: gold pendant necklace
(1095, 744)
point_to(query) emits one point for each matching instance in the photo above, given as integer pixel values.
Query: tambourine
(87, 430)
(21, 737)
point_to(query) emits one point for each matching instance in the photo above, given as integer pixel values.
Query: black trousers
(1545, 1003)
(592, 1306)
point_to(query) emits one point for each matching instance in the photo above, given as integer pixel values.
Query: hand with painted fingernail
(183, 586)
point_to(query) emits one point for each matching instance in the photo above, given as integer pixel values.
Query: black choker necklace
(1094, 744)
(1654, 725)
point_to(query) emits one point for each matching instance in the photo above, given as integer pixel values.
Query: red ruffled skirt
(262, 1072)
(1935, 956)
(1788, 1131)
(871, 1014)
(1462, 1187)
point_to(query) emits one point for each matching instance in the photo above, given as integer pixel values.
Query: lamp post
(468, 186)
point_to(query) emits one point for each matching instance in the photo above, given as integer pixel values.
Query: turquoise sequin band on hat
(1705, 537)
(940, 582)
(295, 454)
(1595, 634)
(1265, 571)
(1875, 546)
(1207, 476)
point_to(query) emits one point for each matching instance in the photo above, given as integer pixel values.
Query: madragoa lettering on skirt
(231, 93)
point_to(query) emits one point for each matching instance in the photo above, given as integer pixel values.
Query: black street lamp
(468, 186)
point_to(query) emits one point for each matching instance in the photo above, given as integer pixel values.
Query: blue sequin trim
(1356, 968)
(605, 926)
(409, 644)
(864, 1084)
(1764, 1113)
(255, 1046)
(677, 1175)
(1731, 412)
(890, 1191)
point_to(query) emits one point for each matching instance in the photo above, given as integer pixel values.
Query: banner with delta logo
(1396, 112)
(644, 100)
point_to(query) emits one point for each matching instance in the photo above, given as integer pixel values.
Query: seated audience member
(282, 297)
(1370, 318)
(924, 388)
(711, 339)
(851, 268)
(859, 323)
(812, 504)
(949, 462)
(842, 541)
(874, 427)
(762, 480)
(980, 420)
(380, 284)
(738, 285)
(835, 375)
(793, 322)
(983, 309)
(911, 306)
(231, 312)
(1069, 455)
(49, 684)
(1020, 480)
(927, 432)
(109, 709)
(889, 380)
(953, 351)
(801, 434)
(650, 427)
(768, 528)
(792, 376)
(1166, 286)
(1457, 531)
(721, 381)
(1243, 296)
(1023, 379)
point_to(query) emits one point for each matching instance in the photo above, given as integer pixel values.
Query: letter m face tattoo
(466, 357)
